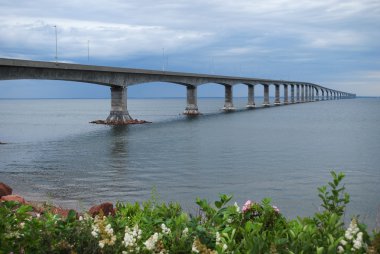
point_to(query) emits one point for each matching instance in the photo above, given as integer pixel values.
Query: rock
(2, 143)
(98, 122)
(136, 121)
(60, 211)
(13, 198)
(105, 208)
(132, 121)
(5, 190)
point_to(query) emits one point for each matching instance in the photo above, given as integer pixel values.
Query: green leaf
(71, 216)
(218, 204)
(24, 209)
(320, 250)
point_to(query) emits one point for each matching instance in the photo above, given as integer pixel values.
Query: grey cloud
(271, 37)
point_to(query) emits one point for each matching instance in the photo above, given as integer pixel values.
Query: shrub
(153, 227)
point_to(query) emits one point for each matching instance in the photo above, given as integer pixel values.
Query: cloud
(303, 40)
(364, 83)
(106, 39)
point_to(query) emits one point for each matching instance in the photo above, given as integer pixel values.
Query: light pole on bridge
(88, 50)
(163, 59)
(56, 44)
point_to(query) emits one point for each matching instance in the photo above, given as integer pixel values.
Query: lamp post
(56, 44)
(88, 50)
(163, 59)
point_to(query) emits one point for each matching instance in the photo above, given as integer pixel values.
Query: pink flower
(247, 206)
(275, 208)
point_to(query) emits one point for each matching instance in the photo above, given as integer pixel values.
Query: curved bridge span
(118, 79)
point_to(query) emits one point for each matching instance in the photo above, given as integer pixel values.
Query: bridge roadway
(118, 79)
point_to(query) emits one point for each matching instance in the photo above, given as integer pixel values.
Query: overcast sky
(334, 43)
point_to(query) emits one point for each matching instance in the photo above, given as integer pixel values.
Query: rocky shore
(133, 121)
(6, 194)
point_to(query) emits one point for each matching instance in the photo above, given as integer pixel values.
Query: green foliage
(153, 227)
(335, 200)
(376, 243)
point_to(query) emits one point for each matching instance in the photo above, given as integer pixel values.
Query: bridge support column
(286, 97)
(292, 94)
(119, 113)
(266, 102)
(298, 94)
(228, 104)
(306, 93)
(317, 94)
(251, 96)
(277, 95)
(192, 107)
(302, 93)
(312, 93)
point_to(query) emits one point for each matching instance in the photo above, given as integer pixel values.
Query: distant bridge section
(118, 79)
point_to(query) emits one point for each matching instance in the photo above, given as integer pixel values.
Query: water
(280, 152)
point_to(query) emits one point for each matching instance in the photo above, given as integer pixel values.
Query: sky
(333, 43)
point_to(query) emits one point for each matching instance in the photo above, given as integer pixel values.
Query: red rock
(13, 198)
(60, 211)
(106, 208)
(5, 190)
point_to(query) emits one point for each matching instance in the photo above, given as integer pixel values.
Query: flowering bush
(153, 227)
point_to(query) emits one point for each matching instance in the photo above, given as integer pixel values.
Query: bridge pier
(292, 94)
(311, 93)
(277, 95)
(119, 113)
(298, 94)
(228, 104)
(266, 102)
(192, 107)
(317, 94)
(305, 98)
(251, 97)
(286, 96)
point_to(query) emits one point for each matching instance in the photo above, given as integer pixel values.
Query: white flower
(131, 237)
(38, 215)
(340, 249)
(275, 208)
(22, 225)
(217, 238)
(80, 218)
(348, 235)
(109, 229)
(225, 247)
(165, 229)
(343, 242)
(352, 231)
(237, 207)
(150, 244)
(185, 232)
(357, 244)
(103, 232)
(194, 248)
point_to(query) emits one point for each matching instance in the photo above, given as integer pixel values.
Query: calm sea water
(282, 152)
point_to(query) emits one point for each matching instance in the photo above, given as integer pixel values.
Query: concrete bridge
(118, 79)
